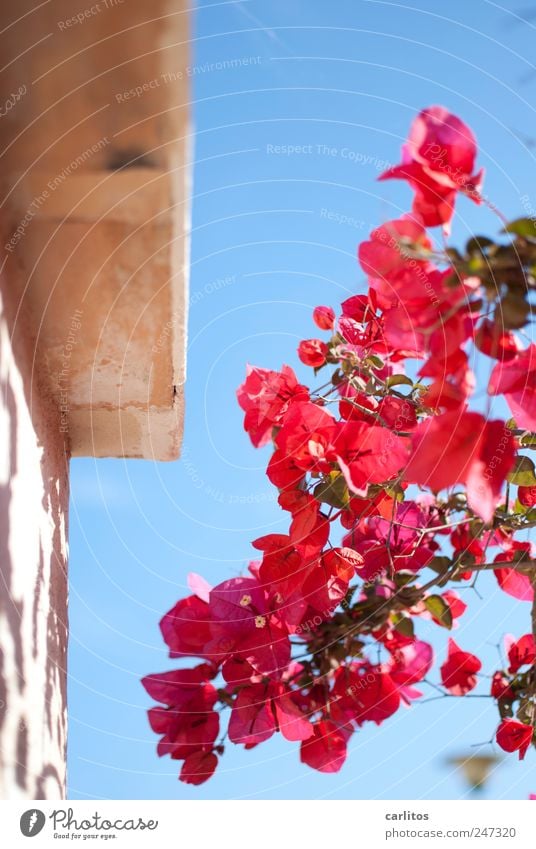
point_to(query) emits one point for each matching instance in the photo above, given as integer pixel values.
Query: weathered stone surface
(94, 183)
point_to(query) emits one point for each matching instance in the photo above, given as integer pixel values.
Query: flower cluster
(393, 487)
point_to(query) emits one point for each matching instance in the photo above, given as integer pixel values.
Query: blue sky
(274, 234)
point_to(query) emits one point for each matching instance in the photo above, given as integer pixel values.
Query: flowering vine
(427, 491)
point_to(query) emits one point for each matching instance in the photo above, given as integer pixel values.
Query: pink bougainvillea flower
(326, 750)
(242, 625)
(265, 397)
(313, 352)
(407, 550)
(516, 380)
(283, 472)
(438, 161)
(458, 673)
(327, 581)
(410, 664)
(453, 381)
(178, 686)
(199, 586)
(188, 724)
(456, 606)
(324, 317)
(367, 693)
(369, 454)
(500, 687)
(252, 719)
(319, 636)
(526, 495)
(512, 582)
(522, 653)
(514, 736)
(389, 260)
(198, 767)
(290, 720)
(307, 437)
(495, 342)
(186, 629)
(262, 709)
(397, 413)
(359, 308)
(462, 447)
(309, 530)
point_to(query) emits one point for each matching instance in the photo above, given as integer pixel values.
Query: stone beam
(94, 184)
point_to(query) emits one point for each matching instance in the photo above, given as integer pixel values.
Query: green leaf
(398, 380)
(440, 610)
(522, 227)
(439, 564)
(404, 625)
(396, 492)
(514, 311)
(478, 244)
(528, 440)
(520, 509)
(454, 255)
(523, 472)
(375, 361)
(333, 491)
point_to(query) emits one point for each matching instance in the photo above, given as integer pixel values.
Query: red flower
(408, 551)
(522, 653)
(313, 352)
(186, 629)
(389, 262)
(309, 530)
(367, 693)
(457, 607)
(514, 736)
(265, 396)
(500, 687)
(260, 710)
(397, 413)
(198, 767)
(359, 308)
(283, 472)
(516, 380)
(526, 495)
(290, 720)
(188, 723)
(327, 581)
(458, 673)
(306, 436)
(511, 581)
(242, 625)
(461, 447)
(410, 664)
(324, 317)
(369, 454)
(252, 720)
(326, 750)
(495, 342)
(438, 160)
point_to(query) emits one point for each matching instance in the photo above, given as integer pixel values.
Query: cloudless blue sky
(348, 75)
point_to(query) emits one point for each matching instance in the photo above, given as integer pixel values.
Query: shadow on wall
(33, 586)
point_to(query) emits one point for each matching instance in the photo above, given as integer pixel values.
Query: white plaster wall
(33, 590)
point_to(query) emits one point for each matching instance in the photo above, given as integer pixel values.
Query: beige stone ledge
(94, 197)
